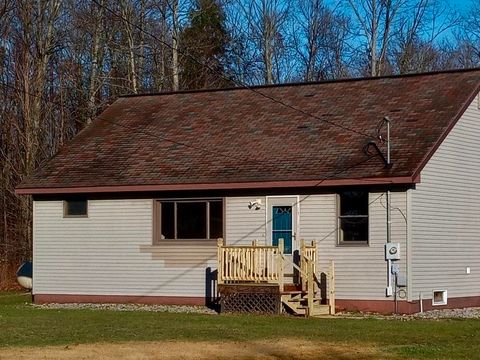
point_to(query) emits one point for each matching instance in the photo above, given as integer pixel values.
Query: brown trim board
(218, 186)
(404, 307)
(374, 306)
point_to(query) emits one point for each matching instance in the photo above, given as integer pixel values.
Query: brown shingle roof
(238, 137)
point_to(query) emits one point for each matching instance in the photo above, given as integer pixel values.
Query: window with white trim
(189, 219)
(439, 297)
(353, 218)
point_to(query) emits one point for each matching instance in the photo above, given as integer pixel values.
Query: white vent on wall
(439, 297)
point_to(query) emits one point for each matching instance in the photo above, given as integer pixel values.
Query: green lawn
(23, 325)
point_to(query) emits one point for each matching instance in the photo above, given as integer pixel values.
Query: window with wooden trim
(353, 218)
(188, 219)
(75, 208)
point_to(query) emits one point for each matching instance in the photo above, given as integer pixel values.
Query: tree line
(62, 62)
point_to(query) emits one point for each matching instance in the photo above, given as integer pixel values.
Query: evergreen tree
(203, 46)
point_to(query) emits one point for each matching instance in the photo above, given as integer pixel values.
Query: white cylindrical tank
(25, 275)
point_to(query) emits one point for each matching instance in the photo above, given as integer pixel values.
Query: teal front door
(282, 226)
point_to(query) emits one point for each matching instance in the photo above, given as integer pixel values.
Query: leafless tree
(466, 49)
(375, 21)
(320, 36)
(414, 46)
(265, 33)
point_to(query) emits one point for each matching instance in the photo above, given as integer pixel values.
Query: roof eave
(401, 180)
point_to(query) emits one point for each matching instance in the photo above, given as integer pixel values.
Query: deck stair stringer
(296, 302)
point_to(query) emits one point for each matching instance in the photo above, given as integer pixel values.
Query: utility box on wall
(392, 251)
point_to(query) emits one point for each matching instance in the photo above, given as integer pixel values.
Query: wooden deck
(253, 279)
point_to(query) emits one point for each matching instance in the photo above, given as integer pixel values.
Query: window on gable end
(75, 208)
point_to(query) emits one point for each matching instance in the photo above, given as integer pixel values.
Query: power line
(230, 79)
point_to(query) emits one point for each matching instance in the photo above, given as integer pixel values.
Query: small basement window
(439, 297)
(189, 219)
(75, 208)
(353, 218)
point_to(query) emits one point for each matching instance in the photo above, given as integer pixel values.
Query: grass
(24, 325)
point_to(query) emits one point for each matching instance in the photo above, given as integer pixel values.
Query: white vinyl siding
(111, 253)
(360, 271)
(101, 254)
(244, 225)
(446, 214)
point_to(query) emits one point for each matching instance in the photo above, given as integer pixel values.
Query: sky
(460, 4)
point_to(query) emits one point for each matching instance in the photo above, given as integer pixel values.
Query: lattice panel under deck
(250, 303)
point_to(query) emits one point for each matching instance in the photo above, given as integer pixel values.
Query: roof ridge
(293, 84)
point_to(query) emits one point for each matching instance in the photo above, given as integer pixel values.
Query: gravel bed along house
(466, 313)
(131, 307)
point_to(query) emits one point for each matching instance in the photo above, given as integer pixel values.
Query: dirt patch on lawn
(273, 349)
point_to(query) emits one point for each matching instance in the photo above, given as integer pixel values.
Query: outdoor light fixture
(256, 205)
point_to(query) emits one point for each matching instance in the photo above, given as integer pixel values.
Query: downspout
(389, 289)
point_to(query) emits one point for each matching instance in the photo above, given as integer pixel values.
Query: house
(132, 208)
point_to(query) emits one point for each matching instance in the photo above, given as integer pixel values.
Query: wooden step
(295, 308)
(318, 309)
(302, 310)
(297, 299)
(293, 292)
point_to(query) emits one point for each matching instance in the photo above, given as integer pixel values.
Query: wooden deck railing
(266, 264)
(308, 261)
(255, 263)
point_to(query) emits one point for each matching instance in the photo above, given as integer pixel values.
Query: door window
(282, 227)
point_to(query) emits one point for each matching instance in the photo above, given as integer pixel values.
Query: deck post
(314, 257)
(303, 265)
(220, 261)
(280, 265)
(331, 287)
(310, 293)
(256, 260)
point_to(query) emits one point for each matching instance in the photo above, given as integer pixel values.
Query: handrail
(308, 253)
(308, 277)
(295, 266)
